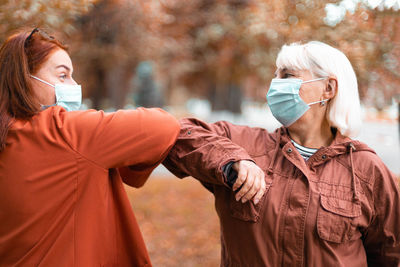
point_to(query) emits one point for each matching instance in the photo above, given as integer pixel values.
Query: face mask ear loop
(316, 102)
(40, 80)
(321, 101)
(314, 80)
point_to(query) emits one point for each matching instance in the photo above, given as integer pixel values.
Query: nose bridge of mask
(288, 86)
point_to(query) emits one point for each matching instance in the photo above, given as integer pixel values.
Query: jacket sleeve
(382, 238)
(135, 141)
(202, 150)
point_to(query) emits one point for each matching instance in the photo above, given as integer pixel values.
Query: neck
(311, 134)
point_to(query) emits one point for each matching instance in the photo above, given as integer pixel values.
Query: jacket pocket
(336, 219)
(248, 211)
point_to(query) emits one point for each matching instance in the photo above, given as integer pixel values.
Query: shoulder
(368, 164)
(61, 117)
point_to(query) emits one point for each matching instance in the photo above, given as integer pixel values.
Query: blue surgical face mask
(285, 102)
(68, 96)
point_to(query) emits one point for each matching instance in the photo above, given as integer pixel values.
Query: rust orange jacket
(340, 208)
(62, 201)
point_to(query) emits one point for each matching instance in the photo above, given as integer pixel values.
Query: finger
(241, 177)
(260, 191)
(247, 185)
(253, 190)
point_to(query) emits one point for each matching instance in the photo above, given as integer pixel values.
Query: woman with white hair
(318, 197)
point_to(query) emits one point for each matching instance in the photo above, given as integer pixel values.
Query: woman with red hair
(62, 201)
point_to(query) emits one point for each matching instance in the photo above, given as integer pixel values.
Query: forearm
(202, 150)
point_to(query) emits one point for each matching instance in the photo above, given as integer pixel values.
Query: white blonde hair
(322, 60)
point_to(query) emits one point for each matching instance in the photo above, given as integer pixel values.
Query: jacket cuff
(230, 173)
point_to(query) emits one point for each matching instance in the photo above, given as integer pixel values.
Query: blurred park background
(212, 59)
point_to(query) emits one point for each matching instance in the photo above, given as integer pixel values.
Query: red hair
(21, 54)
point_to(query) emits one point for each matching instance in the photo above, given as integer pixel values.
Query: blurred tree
(217, 47)
(55, 15)
(114, 36)
(224, 50)
(147, 91)
(106, 51)
(217, 44)
(376, 46)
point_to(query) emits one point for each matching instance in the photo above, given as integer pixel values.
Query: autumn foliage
(221, 50)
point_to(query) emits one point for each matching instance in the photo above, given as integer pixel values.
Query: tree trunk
(227, 97)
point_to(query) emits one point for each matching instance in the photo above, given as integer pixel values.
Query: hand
(251, 178)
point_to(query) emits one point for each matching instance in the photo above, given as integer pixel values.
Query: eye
(63, 76)
(287, 75)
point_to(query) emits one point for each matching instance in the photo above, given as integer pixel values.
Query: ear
(331, 88)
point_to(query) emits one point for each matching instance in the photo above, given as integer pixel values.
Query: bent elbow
(169, 131)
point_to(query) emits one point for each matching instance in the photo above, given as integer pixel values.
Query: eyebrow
(63, 66)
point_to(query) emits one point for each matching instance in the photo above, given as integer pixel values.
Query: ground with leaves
(178, 222)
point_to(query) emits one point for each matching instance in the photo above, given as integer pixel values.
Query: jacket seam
(262, 154)
(356, 172)
(219, 171)
(76, 151)
(75, 204)
(327, 183)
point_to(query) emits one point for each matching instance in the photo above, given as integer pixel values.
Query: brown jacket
(340, 208)
(62, 200)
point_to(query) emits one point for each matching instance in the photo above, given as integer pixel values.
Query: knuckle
(263, 184)
(255, 188)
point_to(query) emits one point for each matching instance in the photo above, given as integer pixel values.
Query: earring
(322, 103)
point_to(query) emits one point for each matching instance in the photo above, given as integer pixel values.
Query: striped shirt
(305, 152)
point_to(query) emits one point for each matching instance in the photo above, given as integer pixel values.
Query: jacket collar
(339, 146)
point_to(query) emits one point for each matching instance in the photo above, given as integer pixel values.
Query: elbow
(139, 183)
(174, 125)
(169, 131)
(134, 178)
